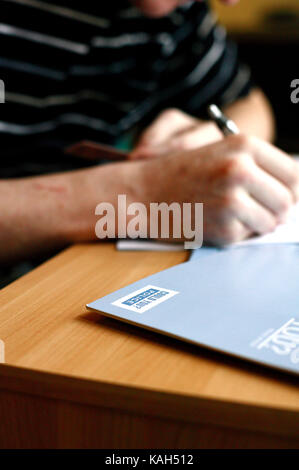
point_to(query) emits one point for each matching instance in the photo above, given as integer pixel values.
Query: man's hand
(246, 185)
(174, 131)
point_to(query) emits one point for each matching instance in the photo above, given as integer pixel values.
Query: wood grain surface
(58, 352)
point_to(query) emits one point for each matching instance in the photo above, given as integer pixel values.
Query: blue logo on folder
(143, 295)
(145, 298)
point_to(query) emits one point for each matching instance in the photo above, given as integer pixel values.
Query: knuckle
(236, 169)
(230, 200)
(240, 142)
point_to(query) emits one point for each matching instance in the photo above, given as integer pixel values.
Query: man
(98, 72)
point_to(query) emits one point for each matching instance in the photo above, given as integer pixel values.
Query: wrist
(101, 184)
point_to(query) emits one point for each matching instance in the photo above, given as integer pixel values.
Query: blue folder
(242, 302)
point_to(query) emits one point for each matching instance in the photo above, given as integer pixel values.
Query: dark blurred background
(267, 32)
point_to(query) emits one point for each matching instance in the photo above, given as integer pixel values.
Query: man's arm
(246, 185)
(40, 214)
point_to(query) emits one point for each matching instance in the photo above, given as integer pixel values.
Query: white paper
(142, 245)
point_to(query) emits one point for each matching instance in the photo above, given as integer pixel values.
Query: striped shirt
(96, 70)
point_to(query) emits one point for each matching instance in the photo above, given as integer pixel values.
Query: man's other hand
(174, 131)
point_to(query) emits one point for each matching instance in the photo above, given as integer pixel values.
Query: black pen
(226, 125)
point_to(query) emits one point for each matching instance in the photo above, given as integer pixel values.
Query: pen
(226, 125)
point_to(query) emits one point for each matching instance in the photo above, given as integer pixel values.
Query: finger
(165, 126)
(278, 164)
(268, 191)
(253, 215)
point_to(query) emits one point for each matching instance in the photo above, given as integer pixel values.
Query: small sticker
(144, 299)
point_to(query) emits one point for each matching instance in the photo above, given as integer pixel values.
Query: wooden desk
(75, 379)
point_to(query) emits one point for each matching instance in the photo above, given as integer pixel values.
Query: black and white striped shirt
(96, 69)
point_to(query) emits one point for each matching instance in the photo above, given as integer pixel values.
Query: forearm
(44, 213)
(31, 217)
(253, 115)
